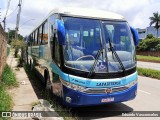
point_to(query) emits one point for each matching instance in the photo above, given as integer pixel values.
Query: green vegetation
(11, 35)
(5, 99)
(47, 95)
(149, 73)
(8, 77)
(150, 43)
(18, 44)
(155, 19)
(8, 80)
(148, 58)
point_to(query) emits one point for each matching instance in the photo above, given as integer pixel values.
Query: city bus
(85, 56)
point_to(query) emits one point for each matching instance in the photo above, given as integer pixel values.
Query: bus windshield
(85, 37)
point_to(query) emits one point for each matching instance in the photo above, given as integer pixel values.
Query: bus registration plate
(111, 99)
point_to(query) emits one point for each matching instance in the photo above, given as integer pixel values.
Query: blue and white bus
(85, 56)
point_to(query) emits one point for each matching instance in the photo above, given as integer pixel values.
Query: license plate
(111, 99)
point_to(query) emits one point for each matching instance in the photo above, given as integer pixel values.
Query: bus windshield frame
(85, 37)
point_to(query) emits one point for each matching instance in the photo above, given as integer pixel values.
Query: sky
(136, 12)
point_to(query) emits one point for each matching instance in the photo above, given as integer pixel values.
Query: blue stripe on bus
(103, 82)
(94, 82)
(58, 71)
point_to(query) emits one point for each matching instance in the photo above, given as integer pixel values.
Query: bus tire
(46, 79)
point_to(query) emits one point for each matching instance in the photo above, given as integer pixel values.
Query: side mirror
(61, 32)
(135, 36)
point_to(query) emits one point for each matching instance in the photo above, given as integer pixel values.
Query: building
(149, 30)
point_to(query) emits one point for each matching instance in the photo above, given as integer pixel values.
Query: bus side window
(35, 37)
(56, 53)
(53, 37)
(51, 40)
(40, 35)
(45, 33)
(31, 40)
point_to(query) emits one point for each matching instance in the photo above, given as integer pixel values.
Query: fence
(150, 53)
(3, 49)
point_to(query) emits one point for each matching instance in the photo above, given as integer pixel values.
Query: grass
(149, 73)
(148, 58)
(5, 99)
(42, 93)
(8, 80)
(8, 77)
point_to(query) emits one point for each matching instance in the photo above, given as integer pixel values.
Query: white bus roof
(89, 13)
(84, 12)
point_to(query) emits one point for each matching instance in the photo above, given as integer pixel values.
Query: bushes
(5, 99)
(149, 44)
(149, 73)
(8, 80)
(148, 58)
(8, 77)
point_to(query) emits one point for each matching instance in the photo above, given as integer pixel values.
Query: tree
(149, 44)
(11, 36)
(19, 44)
(149, 36)
(155, 19)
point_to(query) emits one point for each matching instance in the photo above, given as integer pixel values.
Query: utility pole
(4, 20)
(4, 23)
(0, 15)
(18, 19)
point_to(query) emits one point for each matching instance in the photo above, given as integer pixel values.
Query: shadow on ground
(85, 113)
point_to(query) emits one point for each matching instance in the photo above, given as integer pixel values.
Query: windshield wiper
(95, 62)
(117, 57)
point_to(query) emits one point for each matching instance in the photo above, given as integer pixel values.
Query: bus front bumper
(75, 98)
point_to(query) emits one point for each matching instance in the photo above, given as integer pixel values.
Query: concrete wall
(3, 49)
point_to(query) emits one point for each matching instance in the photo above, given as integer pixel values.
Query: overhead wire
(12, 12)
(7, 8)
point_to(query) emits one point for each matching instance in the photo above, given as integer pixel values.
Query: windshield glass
(85, 37)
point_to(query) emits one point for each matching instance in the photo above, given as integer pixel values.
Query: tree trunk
(22, 57)
(16, 52)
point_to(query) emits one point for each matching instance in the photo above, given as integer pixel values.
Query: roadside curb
(24, 95)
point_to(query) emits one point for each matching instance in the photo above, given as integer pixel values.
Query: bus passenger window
(45, 34)
(35, 37)
(40, 35)
(31, 40)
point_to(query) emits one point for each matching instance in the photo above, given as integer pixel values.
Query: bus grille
(104, 90)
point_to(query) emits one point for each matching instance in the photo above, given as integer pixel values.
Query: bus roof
(84, 12)
(89, 13)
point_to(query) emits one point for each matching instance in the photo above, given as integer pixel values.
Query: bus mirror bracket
(61, 32)
(135, 36)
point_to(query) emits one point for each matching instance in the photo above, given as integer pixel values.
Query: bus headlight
(73, 86)
(131, 84)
